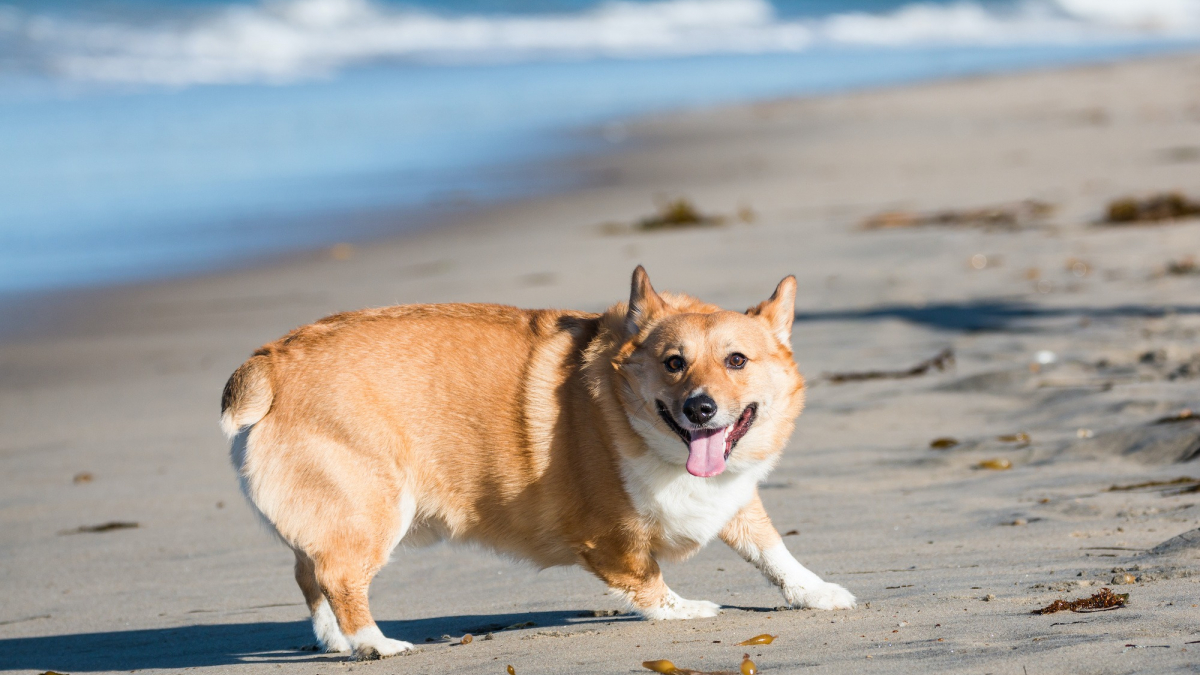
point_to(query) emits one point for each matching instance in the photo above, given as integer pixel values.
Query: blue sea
(144, 139)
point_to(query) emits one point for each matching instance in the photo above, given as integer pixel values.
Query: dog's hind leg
(344, 570)
(636, 577)
(325, 626)
(752, 535)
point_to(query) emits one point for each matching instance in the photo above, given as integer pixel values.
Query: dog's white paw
(675, 607)
(824, 596)
(370, 644)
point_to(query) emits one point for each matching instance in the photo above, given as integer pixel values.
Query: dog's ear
(779, 311)
(644, 302)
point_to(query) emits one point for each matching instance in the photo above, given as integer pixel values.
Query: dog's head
(709, 389)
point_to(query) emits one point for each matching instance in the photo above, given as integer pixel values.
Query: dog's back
(455, 409)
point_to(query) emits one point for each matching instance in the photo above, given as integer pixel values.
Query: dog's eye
(674, 364)
(736, 360)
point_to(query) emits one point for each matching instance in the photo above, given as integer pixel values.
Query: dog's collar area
(739, 429)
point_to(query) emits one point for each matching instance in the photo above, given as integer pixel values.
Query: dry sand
(125, 385)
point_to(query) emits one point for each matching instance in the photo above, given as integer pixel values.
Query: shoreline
(560, 145)
(1064, 366)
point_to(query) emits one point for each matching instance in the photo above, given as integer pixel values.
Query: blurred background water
(150, 138)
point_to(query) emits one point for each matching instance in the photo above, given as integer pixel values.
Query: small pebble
(511, 671)
(467, 639)
(989, 597)
(748, 667)
(1124, 579)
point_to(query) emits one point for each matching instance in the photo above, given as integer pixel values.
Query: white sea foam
(282, 40)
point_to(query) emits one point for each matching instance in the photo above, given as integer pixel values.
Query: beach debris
(748, 667)
(1133, 646)
(1152, 209)
(51, 672)
(995, 464)
(1124, 579)
(466, 639)
(1084, 432)
(341, 251)
(790, 533)
(677, 213)
(496, 628)
(1102, 600)
(1019, 437)
(1009, 216)
(764, 639)
(601, 612)
(667, 668)
(1185, 415)
(103, 527)
(510, 670)
(83, 477)
(943, 443)
(1017, 522)
(1182, 480)
(987, 598)
(1045, 357)
(939, 362)
(1183, 267)
(1186, 370)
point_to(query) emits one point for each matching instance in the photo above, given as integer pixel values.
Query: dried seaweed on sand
(677, 214)
(1004, 216)
(940, 362)
(1101, 601)
(1152, 209)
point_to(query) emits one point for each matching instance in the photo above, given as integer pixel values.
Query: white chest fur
(689, 511)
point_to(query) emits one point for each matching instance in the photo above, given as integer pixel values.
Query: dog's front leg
(752, 535)
(633, 574)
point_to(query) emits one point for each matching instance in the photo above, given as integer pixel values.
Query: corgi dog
(609, 441)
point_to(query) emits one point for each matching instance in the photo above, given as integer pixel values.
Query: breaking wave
(285, 40)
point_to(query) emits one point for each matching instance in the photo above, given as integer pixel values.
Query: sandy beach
(1076, 351)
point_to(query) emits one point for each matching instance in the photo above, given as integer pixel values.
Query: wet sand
(1075, 334)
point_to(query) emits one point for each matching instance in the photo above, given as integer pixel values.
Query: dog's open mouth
(709, 448)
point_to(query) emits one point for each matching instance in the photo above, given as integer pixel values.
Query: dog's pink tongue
(706, 452)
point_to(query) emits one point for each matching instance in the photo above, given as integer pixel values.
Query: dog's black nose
(700, 409)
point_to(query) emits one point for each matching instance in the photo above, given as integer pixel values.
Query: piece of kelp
(1152, 209)
(677, 214)
(1003, 216)
(944, 359)
(1101, 601)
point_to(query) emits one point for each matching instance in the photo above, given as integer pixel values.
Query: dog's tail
(248, 395)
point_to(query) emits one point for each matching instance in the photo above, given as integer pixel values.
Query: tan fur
(510, 428)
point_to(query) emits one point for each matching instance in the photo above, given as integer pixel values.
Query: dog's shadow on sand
(239, 643)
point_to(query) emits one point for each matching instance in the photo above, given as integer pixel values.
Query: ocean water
(142, 139)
